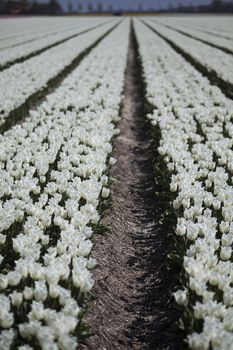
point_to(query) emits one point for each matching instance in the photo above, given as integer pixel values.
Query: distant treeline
(24, 7)
(216, 6)
(31, 7)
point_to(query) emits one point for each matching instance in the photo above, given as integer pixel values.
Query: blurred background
(112, 7)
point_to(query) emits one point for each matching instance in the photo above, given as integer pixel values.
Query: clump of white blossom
(214, 60)
(53, 171)
(21, 80)
(16, 48)
(195, 120)
(210, 33)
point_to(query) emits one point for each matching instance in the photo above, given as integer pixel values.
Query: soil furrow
(133, 307)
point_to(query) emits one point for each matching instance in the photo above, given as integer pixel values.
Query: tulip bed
(22, 80)
(18, 31)
(195, 121)
(200, 34)
(214, 60)
(216, 27)
(54, 172)
(30, 45)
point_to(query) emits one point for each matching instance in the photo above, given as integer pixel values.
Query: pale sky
(125, 4)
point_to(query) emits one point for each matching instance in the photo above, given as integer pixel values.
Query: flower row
(198, 33)
(22, 80)
(195, 121)
(16, 33)
(213, 59)
(31, 45)
(213, 25)
(58, 159)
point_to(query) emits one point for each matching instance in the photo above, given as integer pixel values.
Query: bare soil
(133, 307)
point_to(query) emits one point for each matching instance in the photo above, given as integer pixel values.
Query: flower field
(66, 89)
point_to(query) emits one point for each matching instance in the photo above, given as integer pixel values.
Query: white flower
(54, 291)
(199, 310)
(227, 240)
(40, 292)
(91, 263)
(2, 239)
(67, 343)
(3, 282)
(180, 230)
(105, 192)
(84, 248)
(7, 321)
(16, 298)
(71, 309)
(104, 180)
(224, 226)
(28, 293)
(173, 186)
(37, 311)
(6, 339)
(228, 296)
(112, 161)
(181, 297)
(192, 231)
(225, 253)
(13, 278)
(198, 341)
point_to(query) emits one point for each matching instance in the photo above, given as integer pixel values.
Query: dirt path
(133, 307)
